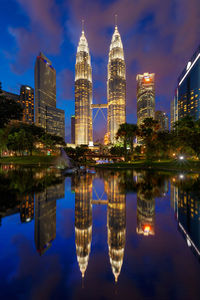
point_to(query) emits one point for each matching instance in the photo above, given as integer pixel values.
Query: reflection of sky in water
(159, 266)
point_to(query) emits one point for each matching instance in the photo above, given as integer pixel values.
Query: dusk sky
(158, 36)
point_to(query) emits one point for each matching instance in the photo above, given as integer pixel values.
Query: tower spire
(83, 25)
(116, 20)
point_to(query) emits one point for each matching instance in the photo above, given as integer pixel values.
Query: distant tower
(145, 97)
(116, 86)
(116, 224)
(83, 220)
(72, 129)
(83, 94)
(162, 119)
(27, 101)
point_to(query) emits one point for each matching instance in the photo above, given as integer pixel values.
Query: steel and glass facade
(188, 91)
(162, 119)
(46, 114)
(83, 94)
(116, 87)
(145, 97)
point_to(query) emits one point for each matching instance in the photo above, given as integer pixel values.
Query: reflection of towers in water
(27, 208)
(145, 207)
(83, 220)
(116, 224)
(45, 216)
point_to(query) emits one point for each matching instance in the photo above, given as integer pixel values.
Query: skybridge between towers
(99, 108)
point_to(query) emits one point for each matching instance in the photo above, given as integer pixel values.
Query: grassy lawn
(173, 165)
(28, 160)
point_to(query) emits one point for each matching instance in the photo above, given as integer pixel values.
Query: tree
(9, 110)
(148, 132)
(127, 133)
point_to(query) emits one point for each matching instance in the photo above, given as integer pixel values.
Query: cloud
(44, 32)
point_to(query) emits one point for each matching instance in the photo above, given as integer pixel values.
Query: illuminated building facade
(27, 208)
(116, 224)
(173, 111)
(27, 101)
(145, 97)
(46, 114)
(162, 119)
(188, 91)
(83, 94)
(116, 87)
(72, 129)
(83, 220)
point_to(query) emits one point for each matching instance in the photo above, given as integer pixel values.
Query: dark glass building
(46, 114)
(188, 90)
(162, 119)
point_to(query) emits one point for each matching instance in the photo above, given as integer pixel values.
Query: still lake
(101, 235)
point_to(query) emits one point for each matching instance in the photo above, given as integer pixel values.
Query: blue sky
(158, 36)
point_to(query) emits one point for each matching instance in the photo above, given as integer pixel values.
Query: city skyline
(151, 44)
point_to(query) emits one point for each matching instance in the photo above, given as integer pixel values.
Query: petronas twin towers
(116, 91)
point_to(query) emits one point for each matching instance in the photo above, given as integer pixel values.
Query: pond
(101, 235)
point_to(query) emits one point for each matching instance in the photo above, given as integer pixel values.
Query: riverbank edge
(45, 161)
(174, 166)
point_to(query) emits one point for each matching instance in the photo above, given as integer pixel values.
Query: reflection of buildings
(45, 216)
(116, 87)
(187, 209)
(146, 207)
(27, 208)
(116, 224)
(83, 220)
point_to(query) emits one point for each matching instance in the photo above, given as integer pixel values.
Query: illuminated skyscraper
(145, 97)
(46, 114)
(116, 86)
(72, 129)
(83, 220)
(27, 101)
(116, 224)
(83, 94)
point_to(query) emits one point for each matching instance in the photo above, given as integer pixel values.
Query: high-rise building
(116, 86)
(46, 114)
(116, 224)
(27, 101)
(83, 220)
(145, 97)
(11, 96)
(73, 129)
(188, 91)
(83, 94)
(162, 119)
(173, 111)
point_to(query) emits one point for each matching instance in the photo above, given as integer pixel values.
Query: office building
(116, 87)
(162, 119)
(27, 102)
(83, 94)
(173, 111)
(145, 97)
(46, 114)
(188, 90)
(72, 129)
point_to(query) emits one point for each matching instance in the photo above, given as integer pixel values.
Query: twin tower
(116, 91)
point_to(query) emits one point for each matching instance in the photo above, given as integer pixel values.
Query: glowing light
(181, 157)
(147, 228)
(188, 65)
(189, 68)
(28, 88)
(181, 176)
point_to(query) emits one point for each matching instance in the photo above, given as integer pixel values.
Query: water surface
(106, 235)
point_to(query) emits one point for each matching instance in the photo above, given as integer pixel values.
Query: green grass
(28, 160)
(169, 165)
